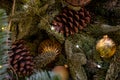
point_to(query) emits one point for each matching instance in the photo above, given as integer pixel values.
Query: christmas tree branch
(13, 11)
(4, 46)
(75, 62)
(114, 67)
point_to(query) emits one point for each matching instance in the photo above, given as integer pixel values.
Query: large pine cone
(48, 51)
(69, 21)
(20, 59)
(78, 2)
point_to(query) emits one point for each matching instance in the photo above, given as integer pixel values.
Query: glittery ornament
(106, 47)
(49, 46)
(48, 51)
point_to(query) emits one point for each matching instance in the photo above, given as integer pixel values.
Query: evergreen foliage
(4, 45)
(32, 21)
(44, 75)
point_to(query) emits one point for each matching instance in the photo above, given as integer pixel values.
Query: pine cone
(70, 22)
(78, 2)
(48, 51)
(20, 59)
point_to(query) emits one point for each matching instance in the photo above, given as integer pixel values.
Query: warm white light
(77, 46)
(3, 28)
(99, 66)
(52, 28)
(25, 6)
(0, 66)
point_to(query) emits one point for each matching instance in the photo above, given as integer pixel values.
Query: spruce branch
(43, 75)
(75, 62)
(4, 46)
(114, 68)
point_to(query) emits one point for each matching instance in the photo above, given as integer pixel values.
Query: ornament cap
(105, 36)
(66, 66)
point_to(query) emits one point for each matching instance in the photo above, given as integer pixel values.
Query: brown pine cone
(78, 2)
(20, 59)
(70, 22)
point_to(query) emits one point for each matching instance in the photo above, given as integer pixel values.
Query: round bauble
(48, 52)
(106, 47)
(62, 71)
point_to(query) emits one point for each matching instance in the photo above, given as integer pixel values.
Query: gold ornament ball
(62, 71)
(106, 47)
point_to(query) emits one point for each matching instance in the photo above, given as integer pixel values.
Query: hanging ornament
(20, 59)
(48, 51)
(106, 47)
(62, 71)
(69, 21)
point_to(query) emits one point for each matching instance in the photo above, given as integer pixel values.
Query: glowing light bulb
(77, 46)
(0, 66)
(25, 6)
(3, 28)
(52, 28)
(99, 66)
